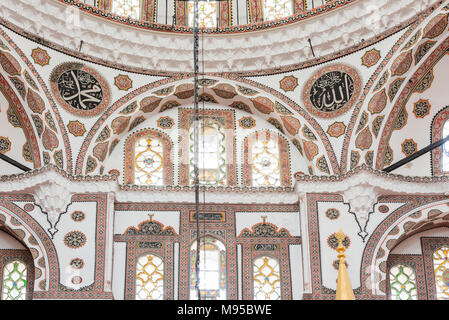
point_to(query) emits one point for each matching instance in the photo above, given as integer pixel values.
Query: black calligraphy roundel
(332, 91)
(79, 89)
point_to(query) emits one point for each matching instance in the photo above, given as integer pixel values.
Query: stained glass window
(127, 8)
(267, 280)
(277, 9)
(149, 160)
(14, 281)
(441, 268)
(207, 14)
(212, 270)
(211, 154)
(150, 278)
(445, 159)
(265, 162)
(403, 283)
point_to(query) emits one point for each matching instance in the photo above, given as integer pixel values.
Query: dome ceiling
(334, 30)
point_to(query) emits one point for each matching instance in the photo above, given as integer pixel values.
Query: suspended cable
(195, 143)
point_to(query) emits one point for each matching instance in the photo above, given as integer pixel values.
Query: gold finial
(264, 219)
(344, 288)
(151, 216)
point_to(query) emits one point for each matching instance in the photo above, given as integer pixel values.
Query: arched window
(403, 283)
(265, 163)
(149, 162)
(149, 278)
(266, 279)
(212, 270)
(126, 8)
(441, 269)
(207, 14)
(148, 158)
(211, 155)
(277, 9)
(14, 282)
(266, 160)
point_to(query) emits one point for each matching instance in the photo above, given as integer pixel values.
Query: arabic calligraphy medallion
(332, 91)
(79, 89)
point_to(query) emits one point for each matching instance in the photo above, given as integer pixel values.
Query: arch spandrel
(400, 75)
(41, 119)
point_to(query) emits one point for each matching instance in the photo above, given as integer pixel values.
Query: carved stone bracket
(53, 199)
(361, 200)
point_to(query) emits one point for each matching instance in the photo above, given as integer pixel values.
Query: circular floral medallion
(77, 280)
(75, 239)
(332, 241)
(28, 207)
(332, 91)
(383, 208)
(77, 263)
(78, 216)
(79, 89)
(332, 213)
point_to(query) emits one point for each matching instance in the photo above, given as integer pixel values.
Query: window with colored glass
(149, 278)
(266, 279)
(149, 162)
(403, 283)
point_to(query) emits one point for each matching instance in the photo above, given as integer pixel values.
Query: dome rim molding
(233, 29)
(251, 53)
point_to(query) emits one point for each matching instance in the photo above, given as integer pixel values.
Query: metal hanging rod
(14, 162)
(417, 154)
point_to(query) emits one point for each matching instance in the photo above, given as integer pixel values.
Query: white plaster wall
(8, 242)
(296, 271)
(86, 252)
(119, 271)
(412, 245)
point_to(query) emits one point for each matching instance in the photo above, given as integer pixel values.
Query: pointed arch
(36, 239)
(248, 96)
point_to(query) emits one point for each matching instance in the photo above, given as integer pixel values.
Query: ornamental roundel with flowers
(123, 82)
(288, 83)
(332, 91)
(336, 130)
(40, 57)
(76, 128)
(370, 58)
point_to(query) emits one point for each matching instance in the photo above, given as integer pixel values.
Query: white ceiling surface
(246, 51)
